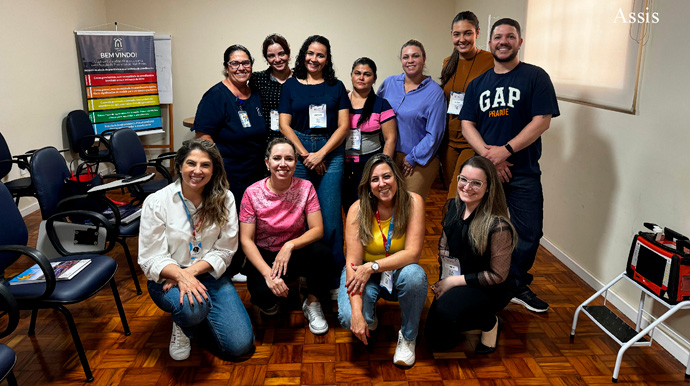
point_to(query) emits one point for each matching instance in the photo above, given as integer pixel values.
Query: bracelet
(510, 149)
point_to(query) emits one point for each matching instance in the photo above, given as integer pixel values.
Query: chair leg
(132, 269)
(32, 324)
(11, 380)
(120, 309)
(77, 342)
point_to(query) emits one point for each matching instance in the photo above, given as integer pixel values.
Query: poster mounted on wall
(119, 69)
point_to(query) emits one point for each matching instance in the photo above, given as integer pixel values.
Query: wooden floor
(534, 349)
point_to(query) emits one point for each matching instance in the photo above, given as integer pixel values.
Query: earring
(371, 195)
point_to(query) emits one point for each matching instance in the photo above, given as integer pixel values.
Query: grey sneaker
(179, 344)
(530, 300)
(314, 315)
(375, 324)
(271, 311)
(404, 352)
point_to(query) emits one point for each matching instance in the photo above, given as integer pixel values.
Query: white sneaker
(314, 314)
(239, 278)
(404, 352)
(334, 293)
(179, 344)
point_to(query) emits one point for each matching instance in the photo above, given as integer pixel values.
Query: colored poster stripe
(127, 78)
(123, 103)
(139, 124)
(124, 114)
(121, 91)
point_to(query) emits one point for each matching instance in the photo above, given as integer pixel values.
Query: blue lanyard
(386, 241)
(191, 223)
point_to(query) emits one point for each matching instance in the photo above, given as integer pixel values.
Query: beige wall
(605, 173)
(202, 30)
(39, 70)
(39, 60)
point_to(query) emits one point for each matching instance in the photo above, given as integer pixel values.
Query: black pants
(313, 262)
(463, 309)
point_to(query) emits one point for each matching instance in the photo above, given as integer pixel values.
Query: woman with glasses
(269, 82)
(229, 114)
(474, 252)
(314, 115)
(465, 63)
(420, 111)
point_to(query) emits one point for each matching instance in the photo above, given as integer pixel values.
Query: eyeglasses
(235, 64)
(474, 184)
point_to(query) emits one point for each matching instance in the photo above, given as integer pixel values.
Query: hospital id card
(455, 103)
(245, 119)
(317, 116)
(450, 266)
(387, 281)
(354, 140)
(275, 122)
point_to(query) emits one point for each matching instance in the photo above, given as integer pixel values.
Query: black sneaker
(530, 300)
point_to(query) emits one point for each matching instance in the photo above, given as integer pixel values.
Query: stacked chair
(53, 294)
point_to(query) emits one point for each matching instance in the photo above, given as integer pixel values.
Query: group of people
(280, 154)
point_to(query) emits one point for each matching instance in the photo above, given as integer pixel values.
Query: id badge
(387, 281)
(450, 267)
(245, 119)
(195, 249)
(456, 101)
(275, 122)
(354, 140)
(317, 116)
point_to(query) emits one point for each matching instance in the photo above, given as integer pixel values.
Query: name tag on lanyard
(354, 140)
(317, 116)
(456, 101)
(450, 266)
(387, 276)
(275, 122)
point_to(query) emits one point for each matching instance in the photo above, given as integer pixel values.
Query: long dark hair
(452, 64)
(300, 70)
(368, 108)
(213, 210)
(402, 203)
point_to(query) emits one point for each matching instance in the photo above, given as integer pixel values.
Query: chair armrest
(22, 164)
(96, 219)
(39, 258)
(9, 305)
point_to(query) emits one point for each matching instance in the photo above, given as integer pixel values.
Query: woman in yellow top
(384, 234)
(465, 63)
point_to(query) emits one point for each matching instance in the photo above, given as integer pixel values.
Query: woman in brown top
(465, 63)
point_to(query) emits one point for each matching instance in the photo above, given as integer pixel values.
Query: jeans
(409, 289)
(526, 206)
(224, 313)
(328, 189)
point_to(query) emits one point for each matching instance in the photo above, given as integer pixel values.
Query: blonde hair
(213, 210)
(492, 209)
(368, 202)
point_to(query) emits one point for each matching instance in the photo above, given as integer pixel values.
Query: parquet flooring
(534, 349)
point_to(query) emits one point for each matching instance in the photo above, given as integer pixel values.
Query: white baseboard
(29, 209)
(662, 335)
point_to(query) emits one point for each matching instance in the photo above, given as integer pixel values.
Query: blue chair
(49, 175)
(129, 158)
(21, 187)
(56, 294)
(82, 139)
(7, 356)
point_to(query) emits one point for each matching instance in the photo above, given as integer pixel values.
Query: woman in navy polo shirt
(314, 114)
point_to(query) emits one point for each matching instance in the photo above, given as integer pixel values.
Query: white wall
(605, 173)
(39, 70)
(202, 30)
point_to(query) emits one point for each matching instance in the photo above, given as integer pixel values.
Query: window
(590, 48)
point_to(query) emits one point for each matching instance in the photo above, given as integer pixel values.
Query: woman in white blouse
(187, 239)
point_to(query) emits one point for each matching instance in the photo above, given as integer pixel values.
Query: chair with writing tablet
(49, 175)
(52, 293)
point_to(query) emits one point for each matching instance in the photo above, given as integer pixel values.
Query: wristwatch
(375, 266)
